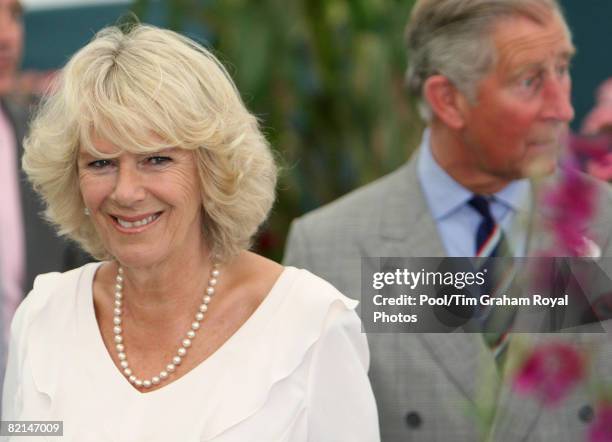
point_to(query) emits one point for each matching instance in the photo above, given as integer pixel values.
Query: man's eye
(528, 82)
(531, 82)
(158, 160)
(100, 164)
(563, 69)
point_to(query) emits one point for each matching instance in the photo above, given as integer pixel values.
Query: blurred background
(325, 77)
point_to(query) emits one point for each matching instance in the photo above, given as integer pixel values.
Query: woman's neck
(170, 289)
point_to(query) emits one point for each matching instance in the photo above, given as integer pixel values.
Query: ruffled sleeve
(340, 400)
(12, 398)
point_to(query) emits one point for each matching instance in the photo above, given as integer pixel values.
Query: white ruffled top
(296, 370)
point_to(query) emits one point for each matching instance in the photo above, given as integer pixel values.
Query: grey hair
(146, 89)
(452, 38)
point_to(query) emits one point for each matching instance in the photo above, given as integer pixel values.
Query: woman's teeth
(139, 223)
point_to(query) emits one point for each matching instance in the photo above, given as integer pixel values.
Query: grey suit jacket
(429, 386)
(45, 251)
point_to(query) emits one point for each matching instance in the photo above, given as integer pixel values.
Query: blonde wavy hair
(145, 89)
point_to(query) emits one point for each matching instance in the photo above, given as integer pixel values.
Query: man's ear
(446, 102)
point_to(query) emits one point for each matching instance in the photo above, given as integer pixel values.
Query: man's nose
(557, 95)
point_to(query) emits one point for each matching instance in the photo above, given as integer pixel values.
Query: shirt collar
(445, 195)
(515, 195)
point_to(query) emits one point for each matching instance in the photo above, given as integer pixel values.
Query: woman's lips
(135, 224)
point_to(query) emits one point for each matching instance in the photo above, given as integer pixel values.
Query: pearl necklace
(185, 344)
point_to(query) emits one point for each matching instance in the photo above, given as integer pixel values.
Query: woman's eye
(158, 160)
(100, 164)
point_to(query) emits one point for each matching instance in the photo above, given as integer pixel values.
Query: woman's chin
(137, 258)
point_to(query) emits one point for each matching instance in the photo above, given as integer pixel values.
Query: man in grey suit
(492, 77)
(42, 249)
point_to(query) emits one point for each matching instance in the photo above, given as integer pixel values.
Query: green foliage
(326, 79)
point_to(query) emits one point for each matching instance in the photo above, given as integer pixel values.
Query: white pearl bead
(195, 325)
(182, 351)
(155, 380)
(191, 334)
(124, 364)
(146, 383)
(199, 316)
(118, 303)
(213, 282)
(118, 288)
(186, 343)
(118, 295)
(210, 290)
(215, 273)
(163, 374)
(203, 308)
(138, 382)
(120, 270)
(121, 356)
(117, 330)
(127, 372)
(132, 378)
(119, 279)
(176, 360)
(170, 368)
(117, 311)
(120, 347)
(206, 299)
(118, 339)
(116, 320)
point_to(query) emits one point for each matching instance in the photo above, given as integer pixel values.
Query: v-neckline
(103, 365)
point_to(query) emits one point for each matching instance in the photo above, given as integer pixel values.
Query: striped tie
(490, 239)
(491, 243)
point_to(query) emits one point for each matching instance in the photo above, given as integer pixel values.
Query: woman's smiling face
(146, 208)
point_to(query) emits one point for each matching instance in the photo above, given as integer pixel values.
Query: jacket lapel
(467, 362)
(405, 225)
(30, 206)
(516, 415)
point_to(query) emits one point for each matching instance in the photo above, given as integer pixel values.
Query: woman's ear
(445, 101)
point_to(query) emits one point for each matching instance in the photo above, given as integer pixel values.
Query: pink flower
(594, 153)
(550, 372)
(601, 169)
(601, 428)
(600, 117)
(572, 204)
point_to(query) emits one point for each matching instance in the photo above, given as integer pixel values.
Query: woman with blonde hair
(147, 157)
